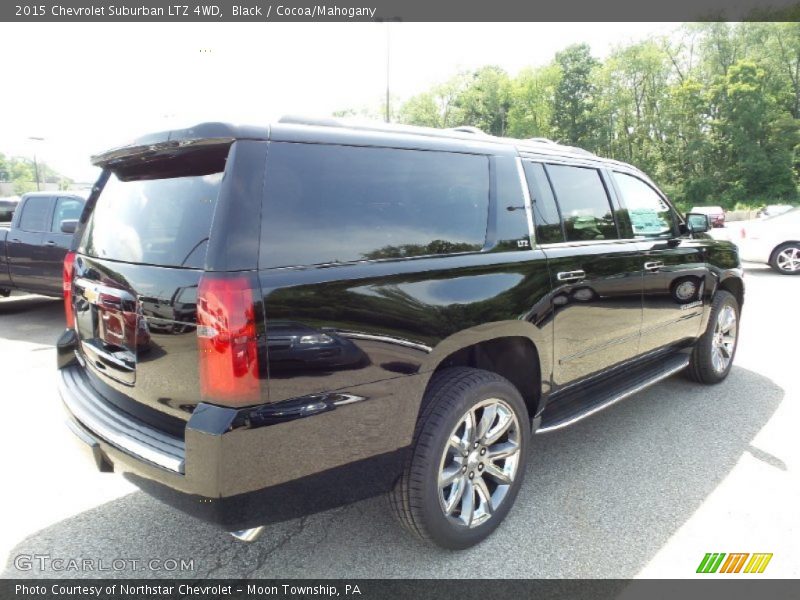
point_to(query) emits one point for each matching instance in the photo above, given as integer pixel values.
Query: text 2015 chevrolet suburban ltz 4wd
(265, 322)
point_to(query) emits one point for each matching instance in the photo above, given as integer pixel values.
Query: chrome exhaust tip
(248, 535)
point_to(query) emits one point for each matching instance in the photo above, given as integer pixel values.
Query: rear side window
(164, 222)
(6, 211)
(649, 214)
(511, 223)
(545, 211)
(330, 204)
(67, 209)
(35, 214)
(584, 204)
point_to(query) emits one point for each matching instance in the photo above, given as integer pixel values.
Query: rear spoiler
(145, 153)
(166, 143)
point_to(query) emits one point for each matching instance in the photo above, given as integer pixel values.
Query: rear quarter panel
(403, 318)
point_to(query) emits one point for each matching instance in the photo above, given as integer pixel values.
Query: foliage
(21, 172)
(711, 112)
(575, 117)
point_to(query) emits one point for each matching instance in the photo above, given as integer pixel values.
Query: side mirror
(697, 223)
(69, 226)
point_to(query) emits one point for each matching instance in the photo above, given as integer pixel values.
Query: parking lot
(645, 488)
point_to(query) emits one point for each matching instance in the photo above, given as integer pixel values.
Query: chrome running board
(576, 406)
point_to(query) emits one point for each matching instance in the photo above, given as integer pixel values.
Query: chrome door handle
(653, 266)
(571, 275)
(50, 243)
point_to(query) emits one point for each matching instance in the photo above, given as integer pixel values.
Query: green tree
(485, 100)
(711, 112)
(633, 85)
(687, 168)
(574, 118)
(532, 101)
(437, 107)
(5, 173)
(22, 173)
(754, 138)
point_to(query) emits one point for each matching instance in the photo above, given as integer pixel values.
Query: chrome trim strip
(683, 317)
(384, 338)
(611, 401)
(526, 195)
(344, 399)
(122, 431)
(588, 243)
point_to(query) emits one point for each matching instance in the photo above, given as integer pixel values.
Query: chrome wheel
(724, 341)
(479, 463)
(788, 259)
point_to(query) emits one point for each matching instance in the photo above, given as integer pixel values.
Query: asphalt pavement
(643, 489)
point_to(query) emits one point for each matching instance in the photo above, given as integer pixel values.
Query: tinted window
(649, 214)
(67, 209)
(328, 204)
(35, 214)
(511, 224)
(158, 221)
(583, 201)
(545, 211)
(7, 208)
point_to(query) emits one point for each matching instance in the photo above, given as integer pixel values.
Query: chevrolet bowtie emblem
(91, 295)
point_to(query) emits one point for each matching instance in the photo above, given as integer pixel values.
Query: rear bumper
(123, 431)
(229, 470)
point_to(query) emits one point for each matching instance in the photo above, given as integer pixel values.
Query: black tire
(415, 498)
(701, 366)
(773, 259)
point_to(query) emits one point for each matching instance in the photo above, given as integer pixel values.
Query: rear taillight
(69, 268)
(227, 340)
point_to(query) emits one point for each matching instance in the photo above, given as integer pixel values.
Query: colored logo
(719, 562)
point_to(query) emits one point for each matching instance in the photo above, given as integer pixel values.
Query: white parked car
(773, 210)
(772, 240)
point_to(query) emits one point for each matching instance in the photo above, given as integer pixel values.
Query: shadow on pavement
(31, 318)
(599, 500)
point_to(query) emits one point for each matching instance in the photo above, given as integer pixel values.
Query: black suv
(266, 322)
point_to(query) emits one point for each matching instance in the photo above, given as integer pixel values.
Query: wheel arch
(515, 350)
(735, 286)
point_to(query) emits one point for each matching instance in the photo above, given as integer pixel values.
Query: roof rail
(462, 130)
(549, 142)
(322, 121)
(380, 126)
(467, 129)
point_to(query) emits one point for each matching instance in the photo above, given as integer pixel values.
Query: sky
(94, 86)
